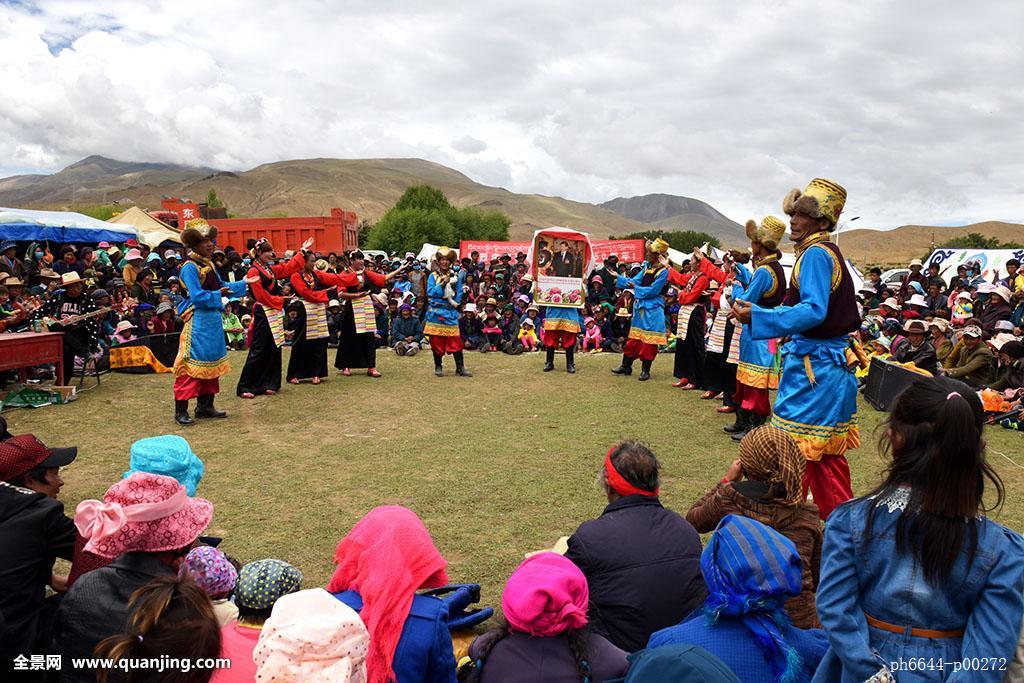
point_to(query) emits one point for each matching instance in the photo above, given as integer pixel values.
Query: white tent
(152, 231)
(60, 226)
(787, 260)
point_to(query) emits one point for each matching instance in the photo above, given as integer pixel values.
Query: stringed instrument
(68, 320)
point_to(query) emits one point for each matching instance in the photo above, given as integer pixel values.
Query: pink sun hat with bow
(142, 513)
(546, 595)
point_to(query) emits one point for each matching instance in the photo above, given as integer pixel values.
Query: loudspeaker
(885, 381)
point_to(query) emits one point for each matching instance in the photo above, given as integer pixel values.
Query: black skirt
(719, 374)
(262, 369)
(354, 350)
(309, 356)
(689, 356)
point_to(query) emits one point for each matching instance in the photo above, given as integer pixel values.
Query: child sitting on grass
(528, 336)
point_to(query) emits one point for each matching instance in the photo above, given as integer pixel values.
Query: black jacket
(96, 607)
(33, 532)
(923, 356)
(642, 563)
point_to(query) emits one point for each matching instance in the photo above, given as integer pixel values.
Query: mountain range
(303, 187)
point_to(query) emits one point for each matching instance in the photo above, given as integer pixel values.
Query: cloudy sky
(916, 107)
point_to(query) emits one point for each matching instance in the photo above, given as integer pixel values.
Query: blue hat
(169, 455)
(751, 570)
(676, 663)
(144, 307)
(8, 244)
(153, 257)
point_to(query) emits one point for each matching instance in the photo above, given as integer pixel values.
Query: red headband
(619, 483)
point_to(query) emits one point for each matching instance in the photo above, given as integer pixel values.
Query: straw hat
(916, 300)
(65, 279)
(124, 326)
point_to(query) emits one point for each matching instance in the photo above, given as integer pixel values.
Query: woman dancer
(359, 349)
(262, 371)
(316, 286)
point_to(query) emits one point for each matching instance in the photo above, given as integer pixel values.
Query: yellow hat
(769, 233)
(197, 231)
(444, 252)
(659, 246)
(822, 199)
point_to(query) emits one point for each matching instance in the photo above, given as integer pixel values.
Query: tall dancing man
(817, 398)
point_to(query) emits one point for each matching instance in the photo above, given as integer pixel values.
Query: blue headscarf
(751, 570)
(169, 455)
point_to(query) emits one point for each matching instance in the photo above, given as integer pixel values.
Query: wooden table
(22, 350)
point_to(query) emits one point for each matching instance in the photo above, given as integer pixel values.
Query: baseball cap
(24, 452)
(972, 331)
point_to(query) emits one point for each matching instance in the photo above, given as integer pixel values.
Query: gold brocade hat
(823, 198)
(197, 231)
(769, 233)
(444, 252)
(659, 246)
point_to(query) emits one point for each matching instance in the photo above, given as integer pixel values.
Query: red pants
(443, 345)
(829, 481)
(186, 387)
(637, 349)
(555, 338)
(756, 401)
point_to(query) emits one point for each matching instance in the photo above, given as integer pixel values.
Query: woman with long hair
(169, 617)
(359, 349)
(262, 371)
(915, 570)
(316, 286)
(544, 638)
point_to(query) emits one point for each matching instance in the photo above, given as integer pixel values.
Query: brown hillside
(897, 247)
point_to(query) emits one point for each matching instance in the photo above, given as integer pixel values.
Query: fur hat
(823, 198)
(196, 232)
(445, 252)
(659, 246)
(769, 233)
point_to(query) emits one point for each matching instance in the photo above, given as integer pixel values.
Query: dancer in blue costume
(756, 372)
(648, 329)
(202, 355)
(817, 399)
(443, 291)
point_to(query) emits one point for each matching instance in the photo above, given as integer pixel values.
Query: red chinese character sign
(559, 258)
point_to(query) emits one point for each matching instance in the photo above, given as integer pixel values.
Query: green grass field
(496, 465)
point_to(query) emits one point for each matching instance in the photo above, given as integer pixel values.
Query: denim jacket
(983, 598)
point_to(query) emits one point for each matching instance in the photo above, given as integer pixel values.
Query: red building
(338, 232)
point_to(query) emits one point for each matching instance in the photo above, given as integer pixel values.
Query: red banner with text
(628, 251)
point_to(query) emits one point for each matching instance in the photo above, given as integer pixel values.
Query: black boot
(550, 364)
(740, 425)
(181, 415)
(626, 368)
(438, 370)
(645, 370)
(752, 423)
(204, 407)
(570, 357)
(460, 368)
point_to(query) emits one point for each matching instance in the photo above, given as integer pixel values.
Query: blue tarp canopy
(60, 226)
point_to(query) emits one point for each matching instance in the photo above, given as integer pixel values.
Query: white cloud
(916, 112)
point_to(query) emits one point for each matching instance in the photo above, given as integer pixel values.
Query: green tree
(212, 200)
(975, 240)
(681, 240)
(102, 212)
(424, 214)
(364, 233)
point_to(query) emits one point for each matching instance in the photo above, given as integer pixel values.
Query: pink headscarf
(545, 596)
(386, 558)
